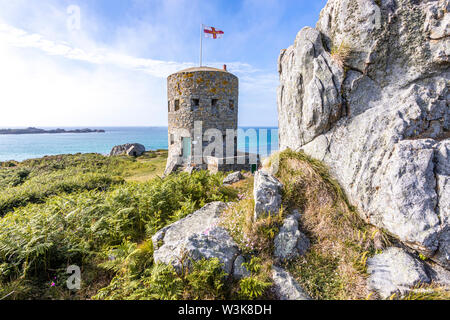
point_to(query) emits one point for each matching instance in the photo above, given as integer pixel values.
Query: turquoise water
(28, 146)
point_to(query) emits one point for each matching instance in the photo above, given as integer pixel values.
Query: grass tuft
(341, 54)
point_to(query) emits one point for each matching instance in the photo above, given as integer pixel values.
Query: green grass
(148, 167)
(319, 275)
(33, 181)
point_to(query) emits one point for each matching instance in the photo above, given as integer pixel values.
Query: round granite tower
(203, 94)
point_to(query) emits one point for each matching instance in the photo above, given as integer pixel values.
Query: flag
(211, 32)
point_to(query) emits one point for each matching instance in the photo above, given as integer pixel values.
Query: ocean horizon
(30, 146)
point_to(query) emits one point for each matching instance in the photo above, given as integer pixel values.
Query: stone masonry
(206, 95)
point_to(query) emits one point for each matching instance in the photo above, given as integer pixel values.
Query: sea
(263, 140)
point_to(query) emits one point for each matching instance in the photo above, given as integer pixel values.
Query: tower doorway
(186, 148)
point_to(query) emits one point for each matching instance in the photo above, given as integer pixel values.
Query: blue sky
(109, 67)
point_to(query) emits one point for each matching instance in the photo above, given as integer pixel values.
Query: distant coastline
(32, 130)
(21, 147)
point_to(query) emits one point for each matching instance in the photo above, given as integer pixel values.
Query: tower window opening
(172, 140)
(177, 105)
(232, 105)
(214, 106)
(195, 104)
(168, 106)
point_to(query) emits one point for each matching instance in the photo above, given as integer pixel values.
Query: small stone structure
(200, 99)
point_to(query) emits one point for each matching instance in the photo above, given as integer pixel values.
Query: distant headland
(32, 130)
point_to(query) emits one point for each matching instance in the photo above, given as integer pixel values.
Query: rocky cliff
(367, 92)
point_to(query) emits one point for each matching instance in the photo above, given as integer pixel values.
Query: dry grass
(244, 186)
(335, 267)
(426, 292)
(341, 54)
(341, 242)
(254, 238)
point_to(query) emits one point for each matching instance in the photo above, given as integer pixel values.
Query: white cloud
(158, 68)
(36, 91)
(20, 38)
(47, 81)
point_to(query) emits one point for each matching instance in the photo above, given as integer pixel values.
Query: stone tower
(203, 94)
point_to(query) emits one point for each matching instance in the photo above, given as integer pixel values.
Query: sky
(105, 62)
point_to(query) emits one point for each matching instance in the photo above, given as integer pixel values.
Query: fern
(252, 288)
(94, 220)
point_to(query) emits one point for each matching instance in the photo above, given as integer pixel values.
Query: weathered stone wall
(200, 94)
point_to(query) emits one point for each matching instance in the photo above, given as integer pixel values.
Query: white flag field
(213, 33)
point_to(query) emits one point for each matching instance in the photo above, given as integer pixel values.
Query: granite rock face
(443, 194)
(395, 272)
(129, 149)
(439, 275)
(285, 286)
(377, 115)
(196, 236)
(312, 93)
(267, 194)
(290, 242)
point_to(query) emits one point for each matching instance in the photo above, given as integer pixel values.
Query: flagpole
(201, 43)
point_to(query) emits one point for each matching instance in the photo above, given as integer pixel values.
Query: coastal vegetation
(33, 181)
(75, 221)
(99, 213)
(341, 242)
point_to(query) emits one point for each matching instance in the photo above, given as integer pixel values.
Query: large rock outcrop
(367, 92)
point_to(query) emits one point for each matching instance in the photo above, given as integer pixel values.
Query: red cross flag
(211, 32)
